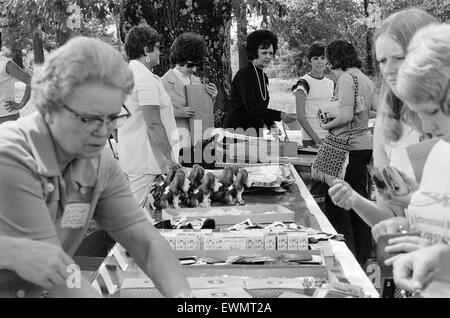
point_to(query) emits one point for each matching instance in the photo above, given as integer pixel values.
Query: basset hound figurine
(242, 181)
(235, 169)
(226, 179)
(196, 178)
(172, 193)
(159, 186)
(201, 196)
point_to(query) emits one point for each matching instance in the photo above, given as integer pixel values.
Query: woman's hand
(40, 263)
(342, 194)
(11, 105)
(275, 132)
(404, 244)
(414, 271)
(184, 112)
(390, 226)
(288, 118)
(211, 89)
(404, 199)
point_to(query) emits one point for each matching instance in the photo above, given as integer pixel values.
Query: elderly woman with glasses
(56, 177)
(147, 142)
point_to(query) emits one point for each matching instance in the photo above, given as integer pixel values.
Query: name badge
(75, 215)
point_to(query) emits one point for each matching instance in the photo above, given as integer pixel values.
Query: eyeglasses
(93, 122)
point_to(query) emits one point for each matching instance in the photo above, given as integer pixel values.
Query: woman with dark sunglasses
(186, 53)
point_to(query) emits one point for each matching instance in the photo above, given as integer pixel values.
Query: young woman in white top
(424, 84)
(148, 141)
(396, 126)
(313, 92)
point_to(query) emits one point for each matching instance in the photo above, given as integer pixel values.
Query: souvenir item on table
(227, 178)
(159, 186)
(201, 196)
(196, 177)
(242, 182)
(257, 213)
(172, 193)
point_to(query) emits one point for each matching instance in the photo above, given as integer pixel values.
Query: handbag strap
(355, 104)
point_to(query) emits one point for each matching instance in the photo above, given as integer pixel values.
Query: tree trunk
(241, 19)
(211, 19)
(38, 47)
(369, 49)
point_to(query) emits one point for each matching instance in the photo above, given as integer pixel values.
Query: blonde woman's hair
(400, 27)
(425, 74)
(81, 60)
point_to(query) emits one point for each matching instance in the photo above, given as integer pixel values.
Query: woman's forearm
(370, 211)
(308, 129)
(158, 137)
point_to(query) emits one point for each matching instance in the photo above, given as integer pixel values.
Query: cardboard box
(180, 242)
(302, 241)
(292, 241)
(270, 241)
(282, 241)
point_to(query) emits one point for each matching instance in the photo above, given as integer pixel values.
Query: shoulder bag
(333, 155)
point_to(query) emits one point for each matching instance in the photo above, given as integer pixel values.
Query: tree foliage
(211, 19)
(53, 22)
(309, 21)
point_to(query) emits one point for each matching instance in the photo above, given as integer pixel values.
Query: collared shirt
(183, 77)
(36, 196)
(136, 155)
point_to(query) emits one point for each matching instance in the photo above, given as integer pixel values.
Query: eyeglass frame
(97, 119)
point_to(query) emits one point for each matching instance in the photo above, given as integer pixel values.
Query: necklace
(264, 96)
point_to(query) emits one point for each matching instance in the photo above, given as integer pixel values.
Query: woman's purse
(333, 155)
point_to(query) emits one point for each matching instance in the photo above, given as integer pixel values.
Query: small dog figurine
(196, 179)
(200, 196)
(226, 179)
(196, 176)
(242, 181)
(172, 193)
(159, 186)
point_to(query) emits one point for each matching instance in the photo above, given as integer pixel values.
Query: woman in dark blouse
(249, 92)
